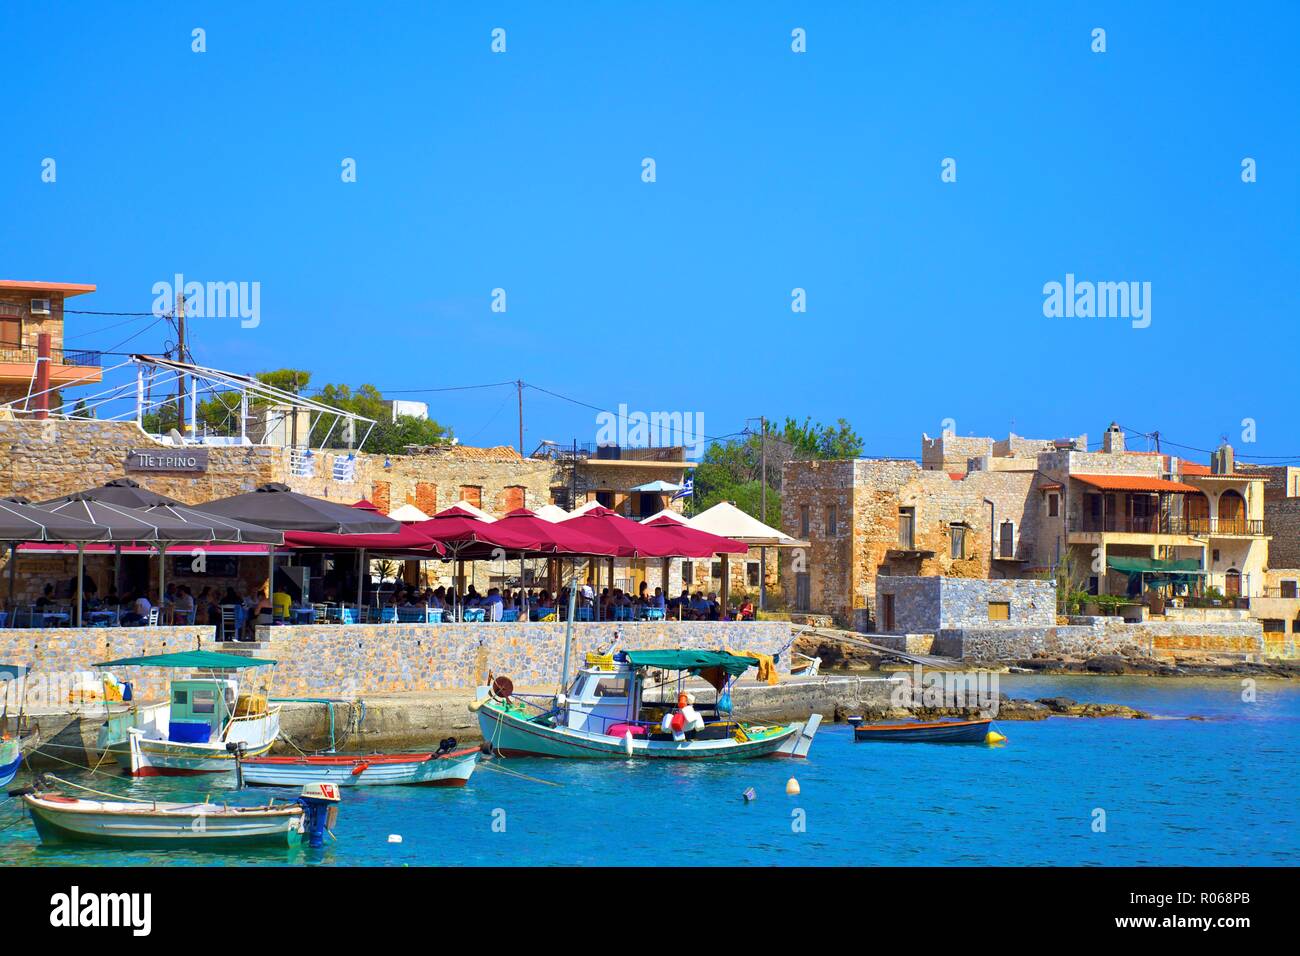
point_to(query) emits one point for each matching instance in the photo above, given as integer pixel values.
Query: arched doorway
(1196, 511)
(1232, 513)
(1232, 583)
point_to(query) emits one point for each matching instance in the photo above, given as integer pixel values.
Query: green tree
(733, 470)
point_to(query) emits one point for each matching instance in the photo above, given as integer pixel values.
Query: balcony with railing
(1165, 524)
(11, 353)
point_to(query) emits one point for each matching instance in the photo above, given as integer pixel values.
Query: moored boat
(605, 714)
(442, 768)
(11, 756)
(132, 822)
(935, 732)
(201, 725)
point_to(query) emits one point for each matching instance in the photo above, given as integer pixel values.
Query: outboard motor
(447, 745)
(320, 811)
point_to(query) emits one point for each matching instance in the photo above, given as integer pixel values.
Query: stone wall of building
(932, 604)
(844, 567)
(1282, 521)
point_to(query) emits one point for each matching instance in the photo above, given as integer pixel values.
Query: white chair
(153, 616)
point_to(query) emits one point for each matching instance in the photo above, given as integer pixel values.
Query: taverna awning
(191, 660)
(727, 521)
(275, 505)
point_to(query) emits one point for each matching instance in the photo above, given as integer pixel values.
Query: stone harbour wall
(337, 660)
(1093, 636)
(351, 661)
(56, 654)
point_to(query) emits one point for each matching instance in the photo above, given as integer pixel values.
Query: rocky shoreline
(846, 658)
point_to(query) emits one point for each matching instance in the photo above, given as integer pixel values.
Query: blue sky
(775, 170)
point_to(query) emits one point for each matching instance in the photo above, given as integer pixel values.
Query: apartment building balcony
(67, 366)
(1165, 525)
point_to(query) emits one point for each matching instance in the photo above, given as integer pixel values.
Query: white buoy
(792, 787)
(394, 838)
(627, 742)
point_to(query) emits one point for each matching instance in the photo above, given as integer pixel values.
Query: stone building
(31, 326)
(1112, 519)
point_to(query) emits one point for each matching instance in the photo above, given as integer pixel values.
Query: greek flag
(686, 490)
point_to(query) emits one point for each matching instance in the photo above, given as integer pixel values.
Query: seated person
(658, 599)
(746, 610)
(183, 603)
(281, 602)
(494, 604)
(259, 613)
(46, 599)
(140, 610)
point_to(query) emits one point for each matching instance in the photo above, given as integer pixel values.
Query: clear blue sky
(775, 170)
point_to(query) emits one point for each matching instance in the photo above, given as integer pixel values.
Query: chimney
(1221, 460)
(1113, 441)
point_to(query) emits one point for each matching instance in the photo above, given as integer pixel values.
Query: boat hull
(9, 769)
(373, 770)
(514, 736)
(941, 732)
(164, 758)
(67, 820)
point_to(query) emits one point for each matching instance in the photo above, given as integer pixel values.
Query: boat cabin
(200, 709)
(603, 694)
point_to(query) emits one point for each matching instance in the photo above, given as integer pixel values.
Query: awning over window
(1154, 566)
(1135, 483)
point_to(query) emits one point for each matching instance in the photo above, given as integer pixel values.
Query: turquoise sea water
(1219, 791)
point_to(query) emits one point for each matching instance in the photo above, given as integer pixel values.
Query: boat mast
(568, 637)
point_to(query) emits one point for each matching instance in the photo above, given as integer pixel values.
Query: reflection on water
(1175, 792)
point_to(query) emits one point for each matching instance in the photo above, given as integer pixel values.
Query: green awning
(693, 661)
(1154, 566)
(193, 660)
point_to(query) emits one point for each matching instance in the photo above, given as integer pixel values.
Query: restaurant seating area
(282, 531)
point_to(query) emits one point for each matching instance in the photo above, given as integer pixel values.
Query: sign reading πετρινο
(168, 459)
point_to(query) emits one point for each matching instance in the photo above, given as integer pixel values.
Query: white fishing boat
(443, 768)
(60, 819)
(606, 713)
(133, 822)
(201, 725)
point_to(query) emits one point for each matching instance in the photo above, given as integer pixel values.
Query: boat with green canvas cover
(606, 713)
(201, 724)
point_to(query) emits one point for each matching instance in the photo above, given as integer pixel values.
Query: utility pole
(762, 507)
(573, 477)
(180, 357)
(519, 392)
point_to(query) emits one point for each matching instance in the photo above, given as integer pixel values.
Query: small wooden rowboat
(62, 819)
(939, 732)
(449, 769)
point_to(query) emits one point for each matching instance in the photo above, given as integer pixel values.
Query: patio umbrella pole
(81, 557)
(361, 580)
(162, 576)
(270, 572)
(13, 561)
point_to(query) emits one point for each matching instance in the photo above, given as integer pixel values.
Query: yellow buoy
(792, 787)
(994, 738)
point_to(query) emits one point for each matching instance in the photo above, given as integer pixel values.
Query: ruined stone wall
(1106, 635)
(951, 452)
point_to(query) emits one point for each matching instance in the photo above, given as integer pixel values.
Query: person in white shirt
(494, 604)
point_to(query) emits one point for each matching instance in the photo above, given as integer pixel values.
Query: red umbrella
(460, 533)
(694, 543)
(405, 540)
(557, 538)
(630, 539)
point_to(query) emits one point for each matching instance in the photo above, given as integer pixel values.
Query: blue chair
(348, 615)
(434, 615)
(622, 613)
(473, 614)
(582, 614)
(388, 614)
(510, 615)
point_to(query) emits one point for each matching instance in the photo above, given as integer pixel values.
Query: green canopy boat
(606, 713)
